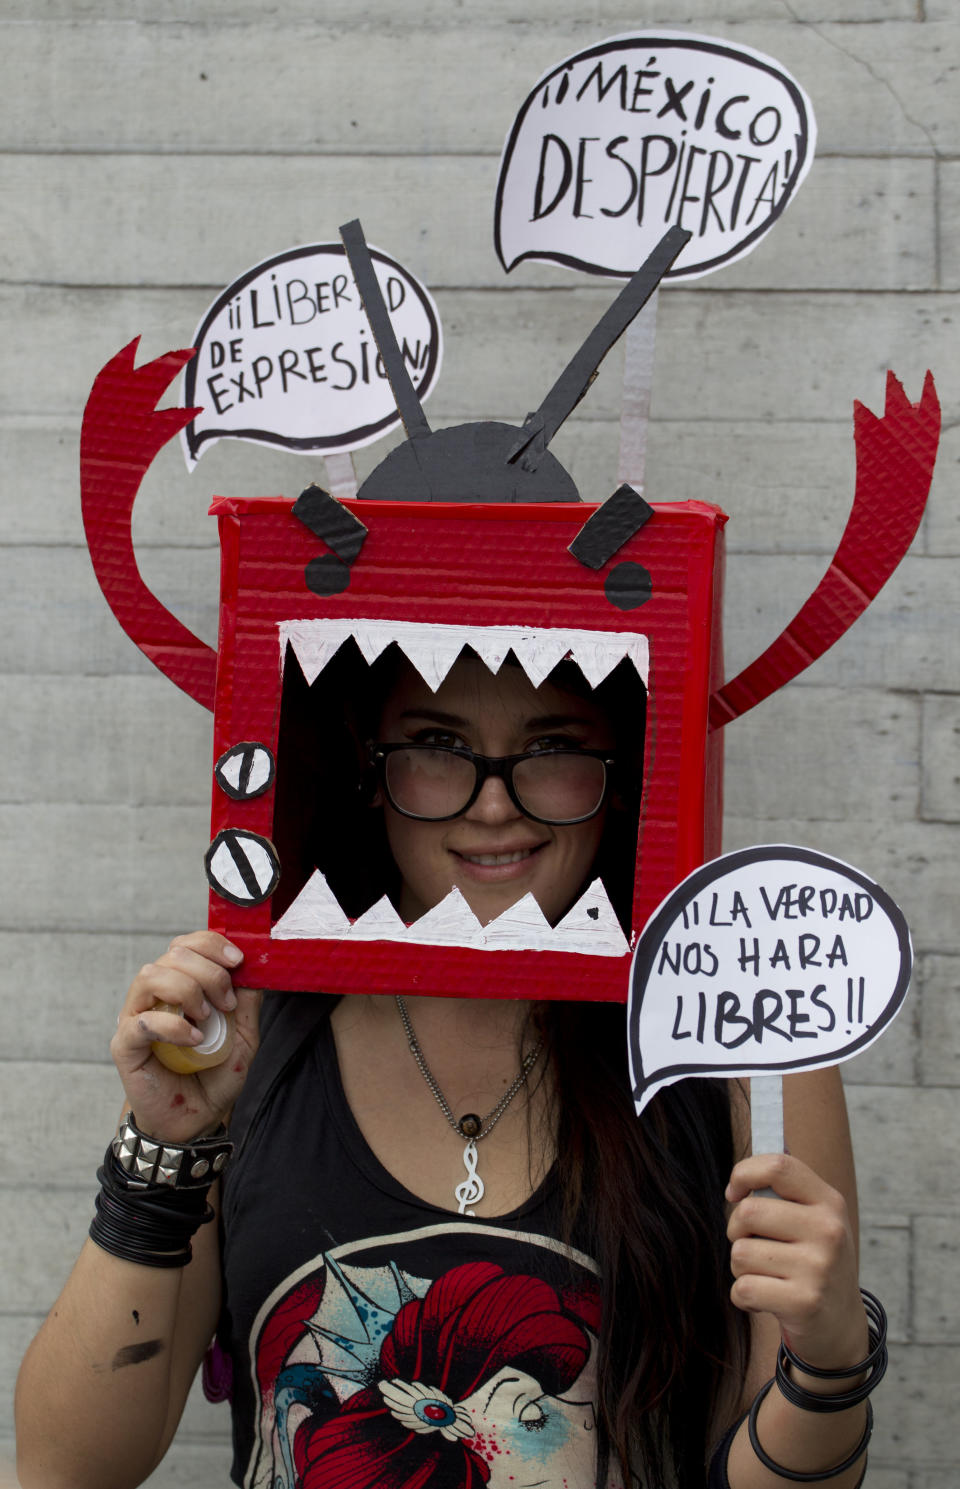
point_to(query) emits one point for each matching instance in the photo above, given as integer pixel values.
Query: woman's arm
(794, 1261)
(102, 1387)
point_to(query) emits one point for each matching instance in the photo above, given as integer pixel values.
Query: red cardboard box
(478, 569)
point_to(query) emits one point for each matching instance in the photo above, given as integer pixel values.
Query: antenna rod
(405, 394)
(580, 371)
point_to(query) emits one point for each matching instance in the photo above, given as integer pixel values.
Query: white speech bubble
(643, 131)
(769, 959)
(285, 355)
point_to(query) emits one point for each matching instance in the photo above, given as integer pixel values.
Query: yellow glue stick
(212, 1050)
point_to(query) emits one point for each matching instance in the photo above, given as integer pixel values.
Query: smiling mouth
(497, 860)
(591, 926)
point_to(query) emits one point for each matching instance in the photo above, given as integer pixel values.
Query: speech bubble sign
(769, 959)
(620, 141)
(285, 355)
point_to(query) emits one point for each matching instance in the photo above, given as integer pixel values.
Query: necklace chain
(487, 1123)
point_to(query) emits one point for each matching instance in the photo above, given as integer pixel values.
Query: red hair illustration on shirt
(485, 1379)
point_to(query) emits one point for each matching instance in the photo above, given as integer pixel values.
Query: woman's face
(492, 853)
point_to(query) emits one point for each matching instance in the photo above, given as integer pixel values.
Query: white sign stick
(341, 475)
(766, 1114)
(639, 344)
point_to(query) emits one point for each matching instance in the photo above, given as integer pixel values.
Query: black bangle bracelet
(877, 1326)
(146, 1224)
(874, 1365)
(790, 1473)
(825, 1405)
(812, 1401)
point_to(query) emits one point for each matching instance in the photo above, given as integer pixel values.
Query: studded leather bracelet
(153, 1195)
(193, 1165)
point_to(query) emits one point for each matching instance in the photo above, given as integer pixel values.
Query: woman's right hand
(192, 975)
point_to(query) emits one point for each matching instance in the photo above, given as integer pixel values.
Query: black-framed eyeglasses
(434, 783)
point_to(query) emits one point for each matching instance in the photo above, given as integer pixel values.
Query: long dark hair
(645, 1198)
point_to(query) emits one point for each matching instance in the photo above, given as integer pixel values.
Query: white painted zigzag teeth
(433, 649)
(590, 927)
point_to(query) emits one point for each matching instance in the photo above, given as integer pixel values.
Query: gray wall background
(150, 153)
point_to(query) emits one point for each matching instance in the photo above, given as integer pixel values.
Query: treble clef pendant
(471, 1189)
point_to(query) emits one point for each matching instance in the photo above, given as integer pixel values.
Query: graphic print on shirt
(375, 1369)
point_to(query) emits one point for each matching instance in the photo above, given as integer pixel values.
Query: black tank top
(377, 1340)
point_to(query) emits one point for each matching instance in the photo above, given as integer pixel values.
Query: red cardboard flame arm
(123, 430)
(895, 459)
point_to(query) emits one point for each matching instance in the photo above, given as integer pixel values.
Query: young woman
(602, 1307)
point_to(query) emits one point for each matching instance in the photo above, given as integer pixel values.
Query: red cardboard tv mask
(469, 538)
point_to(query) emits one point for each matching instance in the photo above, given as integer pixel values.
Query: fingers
(787, 1220)
(787, 1176)
(802, 1261)
(804, 1212)
(210, 958)
(756, 1293)
(760, 1255)
(212, 945)
(169, 1010)
(759, 1216)
(171, 996)
(802, 1227)
(193, 970)
(812, 1293)
(792, 1255)
(781, 1238)
(164, 1023)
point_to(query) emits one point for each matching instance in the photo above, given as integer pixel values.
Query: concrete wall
(148, 154)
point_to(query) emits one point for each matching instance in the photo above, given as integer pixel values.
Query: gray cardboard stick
(637, 385)
(766, 1116)
(341, 476)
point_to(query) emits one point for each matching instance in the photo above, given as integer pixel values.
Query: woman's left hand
(793, 1255)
